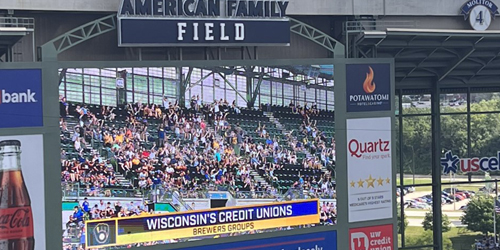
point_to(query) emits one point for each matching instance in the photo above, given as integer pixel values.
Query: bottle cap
(10, 143)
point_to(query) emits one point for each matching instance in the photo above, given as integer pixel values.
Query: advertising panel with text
(372, 238)
(369, 163)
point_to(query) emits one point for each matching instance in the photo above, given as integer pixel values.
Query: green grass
(409, 181)
(420, 181)
(460, 237)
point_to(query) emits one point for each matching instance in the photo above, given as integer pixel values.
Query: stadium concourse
(167, 152)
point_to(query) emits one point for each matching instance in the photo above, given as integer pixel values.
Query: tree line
(417, 135)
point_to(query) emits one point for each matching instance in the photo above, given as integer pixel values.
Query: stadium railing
(256, 195)
(71, 191)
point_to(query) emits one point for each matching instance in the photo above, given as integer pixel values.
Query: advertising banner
(120, 231)
(22, 199)
(372, 238)
(451, 163)
(165, 32)
(369, 169)
(368, 87)
(203, 23)
(21, 98)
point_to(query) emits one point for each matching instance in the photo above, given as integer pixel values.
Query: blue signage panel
(202, 32)
(21, 98)
(368, 87)
(312, 241)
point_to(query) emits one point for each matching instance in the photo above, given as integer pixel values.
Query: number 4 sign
(480, 13)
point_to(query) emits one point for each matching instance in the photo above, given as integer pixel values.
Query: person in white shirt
(216, 108)
(165, 102)
(170, 170)
(102, 205)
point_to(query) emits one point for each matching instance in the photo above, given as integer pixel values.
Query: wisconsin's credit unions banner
(129, 230)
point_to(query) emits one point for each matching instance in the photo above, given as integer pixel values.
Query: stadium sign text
(204, 8)
(21, 99)
(480, 13)
(132, 230)
(368, 87)
(203, 23)
(453, 164)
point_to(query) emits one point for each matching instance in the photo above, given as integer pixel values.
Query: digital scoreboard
(160, 227)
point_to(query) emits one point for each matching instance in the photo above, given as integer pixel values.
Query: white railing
(18, 22)
(363, 25)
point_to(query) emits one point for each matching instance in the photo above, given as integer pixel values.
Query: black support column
(436, 168)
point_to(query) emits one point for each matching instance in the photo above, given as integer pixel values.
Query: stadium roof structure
(423, 57)
(12, 29)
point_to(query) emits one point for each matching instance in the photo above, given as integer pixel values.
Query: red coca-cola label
(16, 223)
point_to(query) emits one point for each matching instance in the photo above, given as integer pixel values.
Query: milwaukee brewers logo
(101, 233)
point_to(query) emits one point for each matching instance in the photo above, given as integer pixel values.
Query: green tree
(479, 214)
(399, 219)
(427, 223)
(485, 133)
(427, 239)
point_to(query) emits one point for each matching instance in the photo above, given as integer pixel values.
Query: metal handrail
(255, 195)
(362, 25)
(176, 196)
(18, 22)
(77, 190)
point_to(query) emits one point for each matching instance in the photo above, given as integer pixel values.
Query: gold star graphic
(353, 183)
(388, 180)
(360, 183)
(370, 182)
(380, 181)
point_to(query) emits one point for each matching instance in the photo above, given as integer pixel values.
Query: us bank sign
(156, 23)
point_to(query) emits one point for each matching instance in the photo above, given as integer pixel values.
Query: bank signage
(372, 238)
(368, 87)
(154, 23)
(451, 163)
(480, 13)
(21, 98)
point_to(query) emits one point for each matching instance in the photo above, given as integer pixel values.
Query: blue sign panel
(368, 87)
(312, 241)
(192, 32)
(21, 98)
(156, 23)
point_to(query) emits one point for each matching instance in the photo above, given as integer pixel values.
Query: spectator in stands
(197, 159)
(77, 215)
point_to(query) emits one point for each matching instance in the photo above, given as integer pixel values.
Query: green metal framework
(72, 38)
(318, 37)
(78, 35)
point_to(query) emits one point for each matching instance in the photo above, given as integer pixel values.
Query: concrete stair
(259, 179)
(283, 129)
(122, 180)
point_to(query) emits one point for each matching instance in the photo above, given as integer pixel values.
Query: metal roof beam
(318, 37)
(485, 65)
(420, 63)
(420, 73)
(460, 60)
(427, 43)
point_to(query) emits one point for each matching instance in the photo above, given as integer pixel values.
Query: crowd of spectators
(167, 147)
(487, 243)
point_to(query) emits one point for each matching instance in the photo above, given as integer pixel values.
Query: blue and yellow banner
(129, 230)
